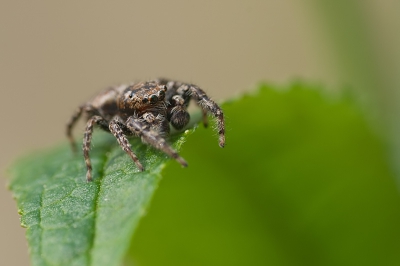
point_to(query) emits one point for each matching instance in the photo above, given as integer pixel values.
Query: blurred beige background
(54, 55)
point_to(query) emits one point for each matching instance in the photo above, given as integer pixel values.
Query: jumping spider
(143, 110)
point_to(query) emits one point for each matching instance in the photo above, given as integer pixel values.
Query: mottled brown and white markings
(145, 110)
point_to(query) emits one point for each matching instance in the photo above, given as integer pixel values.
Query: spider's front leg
(208, 105)
(143, 129)
(116, 130)
(87, 139)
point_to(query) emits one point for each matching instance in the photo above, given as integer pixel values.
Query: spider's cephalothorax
(144, 110)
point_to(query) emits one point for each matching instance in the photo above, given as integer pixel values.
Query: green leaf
(72, 222)
(303, 180)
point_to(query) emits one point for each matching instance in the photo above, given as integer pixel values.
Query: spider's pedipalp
(178, 115)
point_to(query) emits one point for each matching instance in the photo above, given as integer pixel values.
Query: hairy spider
(143, 110)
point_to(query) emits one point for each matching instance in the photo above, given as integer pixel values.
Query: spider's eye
(161, 95)
(153, 99)
(131, 95)
(145, 100)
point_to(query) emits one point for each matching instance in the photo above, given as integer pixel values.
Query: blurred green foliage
(363, 39)
(303, 180)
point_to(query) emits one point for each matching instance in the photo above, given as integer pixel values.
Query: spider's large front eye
(153, 99)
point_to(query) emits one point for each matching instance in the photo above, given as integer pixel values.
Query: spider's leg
(209, 105)
(87, 139)
(71, 123)
(143, 129)
(116, 130)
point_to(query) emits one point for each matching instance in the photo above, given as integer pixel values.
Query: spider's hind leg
(70, 125)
